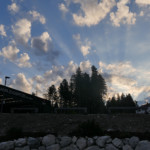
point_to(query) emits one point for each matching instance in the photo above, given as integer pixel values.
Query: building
(14, 101)
(144, 109)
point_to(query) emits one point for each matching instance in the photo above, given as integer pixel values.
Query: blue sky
(43, 42)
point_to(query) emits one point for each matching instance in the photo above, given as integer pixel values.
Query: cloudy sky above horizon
(43, 42)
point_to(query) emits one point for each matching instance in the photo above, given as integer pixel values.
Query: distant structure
(14, 101)
(144, 109)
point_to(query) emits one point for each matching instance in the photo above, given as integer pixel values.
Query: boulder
(70, 147)
(53, 147)
(7, 145)
(127, 147)
(93, 148)
(42, 148)
(143, 145)
(90, 141)
(81, 143)
(20, 142)
(65, 141)
(117, 143)
(101, 141)
(48, 140)
(110, 147)
(133, 141)
(23, 148)
(74, 139)
(33, 142)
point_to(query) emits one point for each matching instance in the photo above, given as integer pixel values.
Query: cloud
(63, 8)
(2, 30)
(0, 80)
(123, 14)
(21, 83)
(92, 11)
(13, 8)
(42, 43)
(85, 46)
(86, 66)
(23, 61)
(10, 52)
(143, 2)
(141, 13)
(37, 16)
(22, 31)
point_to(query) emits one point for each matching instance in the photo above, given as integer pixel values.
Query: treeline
(84, 90)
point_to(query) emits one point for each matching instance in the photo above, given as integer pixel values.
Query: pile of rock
(51, 142)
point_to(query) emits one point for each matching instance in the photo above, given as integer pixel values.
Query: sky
(44, 41)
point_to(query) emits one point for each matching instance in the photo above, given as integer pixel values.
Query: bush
(88, 128)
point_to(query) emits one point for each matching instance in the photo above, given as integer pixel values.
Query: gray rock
(110, 147)
(90, 141)
(70, 147)
(41, 148)
(126, 141)
(20, 142)
(143, 145)
(81, 143)
(93, 148)
(127, 147)
(95, 137)
(101, 141)
(133, 141)
(65, 141)
(7, 145)
(23, 148)
(48, 140)
(33, 142)
(53, 147)
(117, 142)
(74, 139)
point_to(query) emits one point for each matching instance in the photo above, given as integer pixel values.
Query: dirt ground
(63, 124)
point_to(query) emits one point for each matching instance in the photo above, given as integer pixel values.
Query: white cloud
(123, 14)
(0, 81)
(85, 46)
(23, 61)
(63, 8)
(22, 30)
(13, 8)
(37, 16)
(143, 2)
(42, 43)
(141, 13)
(86, 66)
(92, 11)
(9, 52)
(21, 83)
(2, 30)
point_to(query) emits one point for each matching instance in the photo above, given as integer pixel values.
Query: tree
(52, 94)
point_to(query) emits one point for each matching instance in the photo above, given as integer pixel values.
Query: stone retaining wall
(51, 142)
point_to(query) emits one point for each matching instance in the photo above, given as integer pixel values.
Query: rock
(117, 142)
(126, 141)
(20, 142)
(53, 147)
(74, 139)
(90, 141)
(65, 141)
(41, 148)
(48, 140)
(101, 141)
(33, 142)
(70, 147)
(133, 141)
(143, 145)
(7, 145)
(127, 147)
(110, 147)
(93, 148)
(95, 137)
(81, 143)
(23, 148)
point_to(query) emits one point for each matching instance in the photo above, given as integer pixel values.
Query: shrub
(14, 132)
(88, 128)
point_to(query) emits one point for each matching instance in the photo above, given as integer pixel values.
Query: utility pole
(6, 77)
